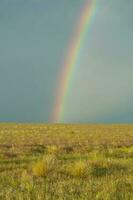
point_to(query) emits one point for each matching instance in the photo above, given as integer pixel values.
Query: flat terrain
(66, 162)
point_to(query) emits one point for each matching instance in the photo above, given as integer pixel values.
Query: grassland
(66, 162)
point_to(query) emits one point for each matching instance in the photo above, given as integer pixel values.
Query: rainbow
(70, 63)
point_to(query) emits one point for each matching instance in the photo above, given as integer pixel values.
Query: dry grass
(44, 166)
(66, 162)
(77, 169)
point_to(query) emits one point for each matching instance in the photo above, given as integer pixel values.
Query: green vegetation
(66, 162)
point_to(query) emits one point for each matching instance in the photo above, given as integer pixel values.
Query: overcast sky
(34, 40)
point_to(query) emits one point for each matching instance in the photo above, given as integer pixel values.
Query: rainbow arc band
(76, 44)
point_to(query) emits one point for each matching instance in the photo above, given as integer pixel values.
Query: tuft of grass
(107, 167)
(26, 182)
(99, 168)
(77, 169)
(52, 149)
(43, 167)
(123, 190)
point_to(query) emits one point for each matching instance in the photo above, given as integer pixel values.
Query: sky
(34, 40)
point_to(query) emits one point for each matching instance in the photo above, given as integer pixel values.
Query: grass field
(66, 162)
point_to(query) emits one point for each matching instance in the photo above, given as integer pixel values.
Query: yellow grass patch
(43, 167)
(77, 169)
